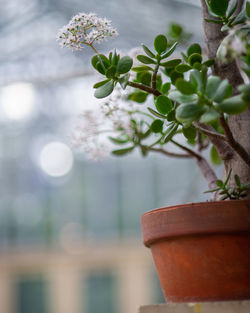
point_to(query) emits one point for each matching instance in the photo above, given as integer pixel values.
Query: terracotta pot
(201, 250)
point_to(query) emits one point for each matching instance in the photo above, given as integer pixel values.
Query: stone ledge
(205, 307)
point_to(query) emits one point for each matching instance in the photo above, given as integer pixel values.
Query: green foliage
(184, 87)
(189, 132)
(146, 60)
(156, 126)
(171, 63)
(124, 65)
(122, 152)
(104, 90)
(194, 48)
(187, 113)
(138, 96)
(233, 192)
(163, 104)
(218, 7)
(123, 81)
(233, 105)
(160, 44)
(184, 91)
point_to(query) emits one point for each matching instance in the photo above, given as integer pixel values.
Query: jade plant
(158, 98)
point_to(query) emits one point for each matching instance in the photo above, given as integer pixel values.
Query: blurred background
(70, 237)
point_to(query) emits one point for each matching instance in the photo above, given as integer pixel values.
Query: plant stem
(237, 147)
(189, 151)
(208, 132)
(168, 153)
(204, 166)
(154, 76)
(148, 89)
(91, 45)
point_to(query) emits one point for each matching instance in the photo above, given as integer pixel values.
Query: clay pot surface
(201, 250)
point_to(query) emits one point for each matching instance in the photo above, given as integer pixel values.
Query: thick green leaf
(171, 63)
(196, 80)
(185, 87)
(245, 90)
(157, 126)
(123, 81)
(174, 76)
(223, 91)
(165, 88)
(194, 48)
(124, 151)
(233, 105)
(171, 116)
(114, 59)
(124, 65)
(99, 84)
(232, 8)
(110, 73)
(247, 8)
(182, 68)
(148, 51)
(187, 113)
(101, 60)
(180, 98)
(120, 140)
(194, 58)
(160, 44)
(219, 7)
(146, 60)
(241, 17)
(105, 90)
(170, 51)
(208, 63)
(197, 66)
(157, 114)
(215, 158)
(163, 104)
(141, 68)
(145, 78)
(189, 132)
(171, 132)
(209, 116)
(237, 180)
(213, 83)
(138, 96)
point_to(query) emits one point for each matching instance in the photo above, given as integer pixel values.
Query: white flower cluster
(85, 29)
(113, 119)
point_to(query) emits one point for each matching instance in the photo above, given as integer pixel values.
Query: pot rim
(200, 218)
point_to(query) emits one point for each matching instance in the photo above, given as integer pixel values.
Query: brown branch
(224, 150)
(204, 166)
(171, 154)
(148, 89)
(237, 147)
(208, 132)
(154, 77)
(189, 151)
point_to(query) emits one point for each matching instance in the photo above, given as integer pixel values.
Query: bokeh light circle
(56, 159)
(17, 101)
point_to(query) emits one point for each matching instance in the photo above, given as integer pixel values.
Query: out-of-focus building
(70, 229)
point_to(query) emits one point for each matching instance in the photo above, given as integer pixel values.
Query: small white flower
(85, 29)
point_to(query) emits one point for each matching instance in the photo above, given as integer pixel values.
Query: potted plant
(201, 250)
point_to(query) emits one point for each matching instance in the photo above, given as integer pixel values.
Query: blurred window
(32, 295)
(101, 293)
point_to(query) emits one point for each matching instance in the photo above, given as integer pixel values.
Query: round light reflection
(56, 159)
(17, 100)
